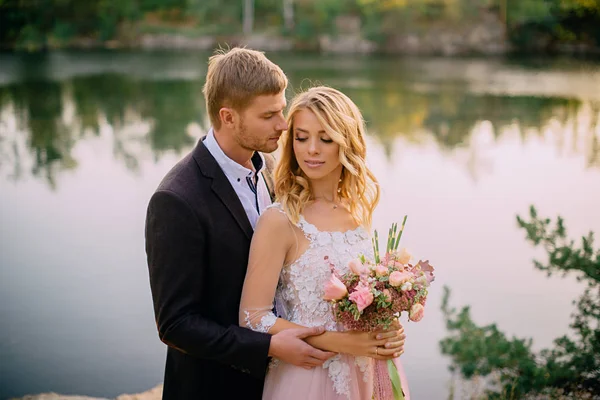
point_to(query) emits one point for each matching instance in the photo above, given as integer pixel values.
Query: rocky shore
(152, 394)
(486, 36)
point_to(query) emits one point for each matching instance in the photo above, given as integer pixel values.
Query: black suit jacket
(197, 244)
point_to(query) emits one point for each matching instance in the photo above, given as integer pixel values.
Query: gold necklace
(328, 201)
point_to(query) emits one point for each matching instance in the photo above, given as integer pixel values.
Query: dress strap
(276, 206)
(309, 230)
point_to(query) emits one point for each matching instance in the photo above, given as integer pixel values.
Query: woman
(326, 198)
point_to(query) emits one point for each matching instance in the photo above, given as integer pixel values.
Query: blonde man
(199, 225)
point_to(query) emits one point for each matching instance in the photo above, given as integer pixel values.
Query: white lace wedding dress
(299, 299)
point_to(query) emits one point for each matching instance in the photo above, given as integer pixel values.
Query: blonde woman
(326, 196)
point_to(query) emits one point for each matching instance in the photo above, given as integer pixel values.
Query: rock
(55, 396)
(348, 44)
(266, 42)
(487, 36)
(152, 394)
(167, 41)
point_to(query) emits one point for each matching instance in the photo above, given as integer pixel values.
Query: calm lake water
(460, 145)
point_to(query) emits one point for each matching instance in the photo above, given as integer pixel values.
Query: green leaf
(395, 379)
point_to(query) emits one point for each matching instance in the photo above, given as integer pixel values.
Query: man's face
(262, 123)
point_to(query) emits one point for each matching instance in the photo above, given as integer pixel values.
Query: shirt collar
(230, 167)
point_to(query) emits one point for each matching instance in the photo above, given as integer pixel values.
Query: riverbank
(487, 35)
(152, 394)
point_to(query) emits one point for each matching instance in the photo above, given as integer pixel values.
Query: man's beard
(251, 143)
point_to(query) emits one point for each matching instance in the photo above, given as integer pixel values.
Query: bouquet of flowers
(375, 293)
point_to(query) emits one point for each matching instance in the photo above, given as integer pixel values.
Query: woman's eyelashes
(303, 139)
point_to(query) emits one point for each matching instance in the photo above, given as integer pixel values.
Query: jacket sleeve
(175, 248)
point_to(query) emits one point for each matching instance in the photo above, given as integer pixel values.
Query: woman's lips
(314, 163)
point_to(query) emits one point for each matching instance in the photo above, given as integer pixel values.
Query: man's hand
(290, 347)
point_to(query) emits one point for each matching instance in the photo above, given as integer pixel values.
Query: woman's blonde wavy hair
(344, 124)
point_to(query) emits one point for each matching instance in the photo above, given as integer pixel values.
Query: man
(199, 226)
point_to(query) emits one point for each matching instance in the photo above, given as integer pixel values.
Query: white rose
(406, 286)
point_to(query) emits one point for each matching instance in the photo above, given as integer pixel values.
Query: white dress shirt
(237, 175)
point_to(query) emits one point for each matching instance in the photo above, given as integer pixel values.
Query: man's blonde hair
(344, 124)
(235, 77)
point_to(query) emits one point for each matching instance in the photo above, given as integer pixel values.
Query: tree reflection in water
(42, 120)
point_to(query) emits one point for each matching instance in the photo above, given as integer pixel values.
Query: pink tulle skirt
(288, 382)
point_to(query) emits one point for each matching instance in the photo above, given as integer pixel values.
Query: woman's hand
(395, 344)
(380, 345)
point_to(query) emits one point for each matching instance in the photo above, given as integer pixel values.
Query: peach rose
(397, 278)
(357, 267)
(335, 289)
(416, 312)
(404, 256)
(381, 270)
(362, 296)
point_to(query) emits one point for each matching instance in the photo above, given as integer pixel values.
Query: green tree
(572, 366)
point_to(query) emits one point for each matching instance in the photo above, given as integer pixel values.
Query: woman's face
(316, 153)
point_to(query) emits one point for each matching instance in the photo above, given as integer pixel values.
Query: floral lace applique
(364, 363)
(274, 363)
(266, 322)
(339, 373)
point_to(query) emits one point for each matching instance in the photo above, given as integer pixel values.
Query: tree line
(39, 24)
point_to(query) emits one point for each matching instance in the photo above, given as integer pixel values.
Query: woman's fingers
(384, 335)
(391, 352)
(398, 344)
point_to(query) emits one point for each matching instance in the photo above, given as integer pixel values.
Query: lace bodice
(301, 287)
(299, 295)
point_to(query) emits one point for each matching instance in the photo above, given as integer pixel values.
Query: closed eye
(300, 139)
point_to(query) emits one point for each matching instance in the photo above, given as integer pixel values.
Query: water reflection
(103, 129)
(43, 118)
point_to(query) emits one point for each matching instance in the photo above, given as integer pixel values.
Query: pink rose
(362, 296)
(335, 289)
(381, 270)
(397, 278)
(416, 312)
(357, 267)
(404, 256)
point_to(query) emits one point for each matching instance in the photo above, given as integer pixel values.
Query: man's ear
(227, 116)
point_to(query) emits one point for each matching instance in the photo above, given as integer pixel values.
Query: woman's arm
(273, 244)
(270, 243)
(380, 345)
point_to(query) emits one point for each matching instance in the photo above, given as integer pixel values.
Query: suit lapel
(221, 187)
(229, 197)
